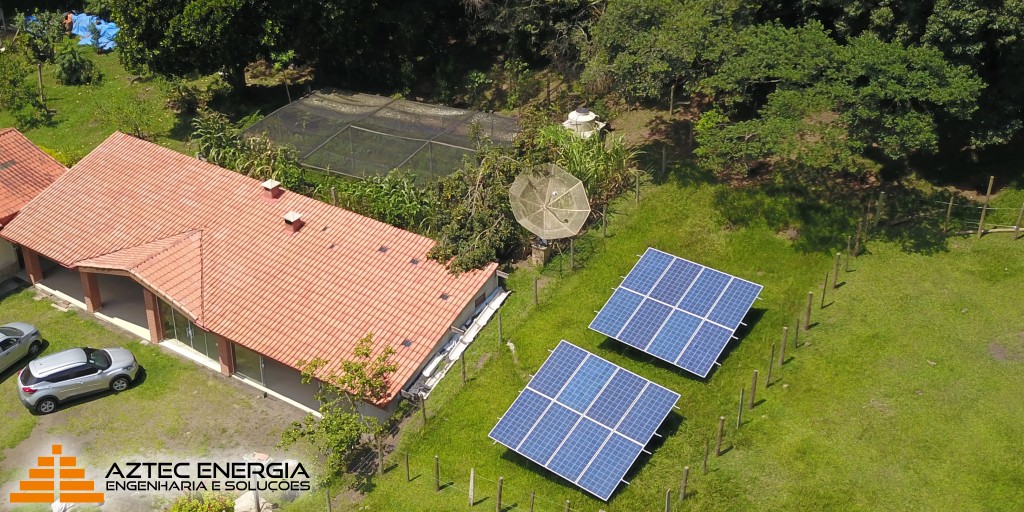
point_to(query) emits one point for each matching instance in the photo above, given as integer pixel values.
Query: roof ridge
(136, 246)
(184, 236)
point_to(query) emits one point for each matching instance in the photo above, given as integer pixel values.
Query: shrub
(206, 502)
(74, 68)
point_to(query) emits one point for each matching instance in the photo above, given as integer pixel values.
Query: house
(242, 276)
(25, 171)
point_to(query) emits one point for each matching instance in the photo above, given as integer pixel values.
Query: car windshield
(7, 330)
(97, 358)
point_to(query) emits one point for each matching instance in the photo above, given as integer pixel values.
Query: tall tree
(41, 37)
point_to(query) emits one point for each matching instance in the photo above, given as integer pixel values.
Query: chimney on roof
(294, 221)
(273, 189)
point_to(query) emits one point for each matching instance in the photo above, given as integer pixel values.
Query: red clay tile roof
(25, 170)
(208, 240)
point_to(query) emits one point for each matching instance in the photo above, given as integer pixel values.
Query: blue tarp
(108, 30)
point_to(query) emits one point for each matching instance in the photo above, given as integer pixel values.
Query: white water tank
(583, 122)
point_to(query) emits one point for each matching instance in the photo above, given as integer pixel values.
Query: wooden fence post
(682, 488)
(796, 334)
(568, 506)
(408, 478)
(533, 496)
(380, 456)
(327, 492)
(739, 411)
(879, 208)
(835, 271)
(668, 500)
(984, 209)
(807, 314)
(604, 221)
(771, 364)
(535, 300)
(782, 349)
(463, 359)
(423, 408)
(497, 503)
(1016, 225)
(856, 238)
(721, 433)
(823, 288)
(437, 474)
(753, 389)
(707, 451)
(334, 197)
(849, 248)
(472, 485)
(949, 213)
(671, 99)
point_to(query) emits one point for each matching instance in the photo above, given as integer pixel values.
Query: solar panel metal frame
(537, 388)
(628, 304)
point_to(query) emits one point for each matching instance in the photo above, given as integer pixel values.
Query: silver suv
(50, 380)
(18, 340)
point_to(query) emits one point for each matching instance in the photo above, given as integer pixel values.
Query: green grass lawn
(80, 122)
(903, 396)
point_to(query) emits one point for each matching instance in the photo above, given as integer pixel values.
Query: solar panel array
(584, 418)
(676, 310)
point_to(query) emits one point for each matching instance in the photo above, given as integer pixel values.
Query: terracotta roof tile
(25, 170)
(206, 239)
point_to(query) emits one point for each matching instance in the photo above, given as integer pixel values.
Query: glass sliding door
(248, 363)
(178, 327)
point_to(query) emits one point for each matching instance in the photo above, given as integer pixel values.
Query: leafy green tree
(134, 115)
(40, 41)
(640, 47)
(339, 433)
(16, 94)
(793, 99)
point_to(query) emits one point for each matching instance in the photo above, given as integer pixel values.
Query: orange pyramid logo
(57, 476)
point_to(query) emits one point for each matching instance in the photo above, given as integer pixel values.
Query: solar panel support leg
(497, 500)
(721, 434)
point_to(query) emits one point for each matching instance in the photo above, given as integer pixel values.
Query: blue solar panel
(668, 306)
(616, 312)
(595, 449)
(647, 272)
(645, 322)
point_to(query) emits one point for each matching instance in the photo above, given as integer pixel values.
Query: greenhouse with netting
(362, 135)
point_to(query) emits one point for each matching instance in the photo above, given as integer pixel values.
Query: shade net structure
(549, 202)
(362, 135)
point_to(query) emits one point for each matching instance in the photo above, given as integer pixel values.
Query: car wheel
(120, 384)
(34, 349)
(46, 405)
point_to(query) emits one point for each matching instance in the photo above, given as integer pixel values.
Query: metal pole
(707, 451)
(334, 197)
(984, 209)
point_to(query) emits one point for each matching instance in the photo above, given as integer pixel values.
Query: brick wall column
(156, 325)
(32, 266)
(226, 355)
(91, 289)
